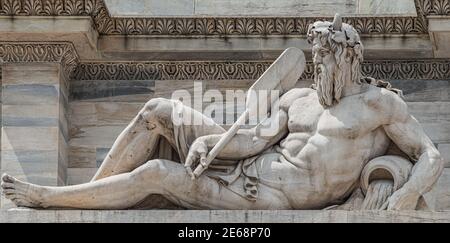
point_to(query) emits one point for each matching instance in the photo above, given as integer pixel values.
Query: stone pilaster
(35, 85)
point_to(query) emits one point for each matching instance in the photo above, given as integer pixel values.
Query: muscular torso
(331, 146)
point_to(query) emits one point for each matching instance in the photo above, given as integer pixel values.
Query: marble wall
(259, 7)
(100, 110)
(35, 122)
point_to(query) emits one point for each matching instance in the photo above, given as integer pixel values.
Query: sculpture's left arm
(406, 132)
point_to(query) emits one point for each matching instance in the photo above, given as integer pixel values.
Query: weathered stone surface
(442, 194)
(430, 112)
(151, 8)
(236, 48)
(82, 157)
(117, 112)
(24, 138)
(100, 155)
(346, 116)
(434, 117)
(445, 152)
(277, 8)
(427, 99)
(42, 74)
(386, 7)
(112, 90)
(29, 115)
(89, 152)
(424, 90)
(205, 216)
(35, 122)
(99, 136)
(82, 113)
(78, 30)
(165, 88)
(439, 28)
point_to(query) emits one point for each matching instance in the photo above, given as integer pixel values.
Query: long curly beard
(328, 87)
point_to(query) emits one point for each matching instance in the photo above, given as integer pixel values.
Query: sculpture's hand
(403, 200)
(197, 152)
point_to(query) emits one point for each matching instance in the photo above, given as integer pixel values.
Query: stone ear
(337, 22)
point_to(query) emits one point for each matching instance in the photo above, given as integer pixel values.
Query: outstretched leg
(126, 190)
(140, 139)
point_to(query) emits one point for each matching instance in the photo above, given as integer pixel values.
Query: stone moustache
(346, 143)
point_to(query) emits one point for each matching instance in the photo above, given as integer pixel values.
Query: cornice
(433, 7)
(219, 26)
(27, 52)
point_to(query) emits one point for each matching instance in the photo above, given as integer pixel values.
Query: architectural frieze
(240, 70)
(26, 52)
(219, 26)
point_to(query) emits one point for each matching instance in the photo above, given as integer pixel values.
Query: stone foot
(21, 193)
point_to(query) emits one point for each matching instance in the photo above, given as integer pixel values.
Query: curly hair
(345, 44)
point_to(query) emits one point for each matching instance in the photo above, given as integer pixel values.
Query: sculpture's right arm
(250, 142)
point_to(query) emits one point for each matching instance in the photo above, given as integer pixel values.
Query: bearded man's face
(324, 74)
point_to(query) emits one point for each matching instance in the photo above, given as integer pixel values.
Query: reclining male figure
(327, 135)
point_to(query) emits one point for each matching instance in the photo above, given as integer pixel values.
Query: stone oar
(282, 75)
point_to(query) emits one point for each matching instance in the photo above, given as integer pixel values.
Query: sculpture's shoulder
(386, 103)
(292, 95)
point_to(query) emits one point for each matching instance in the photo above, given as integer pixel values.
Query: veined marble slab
(191, 8)
(208, 216)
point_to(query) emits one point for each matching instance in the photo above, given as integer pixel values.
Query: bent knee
(154, 170)
(157, 109)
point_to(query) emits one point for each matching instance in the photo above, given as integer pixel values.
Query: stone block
(82, 157)
(386, 7)
(424, 90)
(30, 138)
(112, 90)
(165, 88)
(101, 154)
(150, 8)
(43, 73)
(210, 216)
(35, 123)
(443, 191)
(439, 29)
(40, 94)
(110, 113)
(444, 149)
(97, 136)
(78, 30)
(82, 113)
(30, 166)
(138, 48)
(438, 132)
(274, 8)
(430, 112)
(157, 8)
